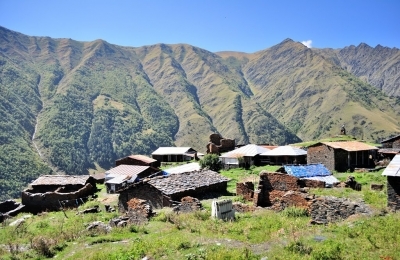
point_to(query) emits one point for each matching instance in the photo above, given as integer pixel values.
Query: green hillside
(94, 102)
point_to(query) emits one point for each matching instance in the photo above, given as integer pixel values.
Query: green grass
(253, 235)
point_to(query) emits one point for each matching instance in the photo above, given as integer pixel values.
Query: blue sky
(215, 25)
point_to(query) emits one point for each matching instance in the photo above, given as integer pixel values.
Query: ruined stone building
(51, 192)
(162, 191)
(392, 172)
(342, 156)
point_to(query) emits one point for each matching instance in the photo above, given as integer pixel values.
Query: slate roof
(61, 180)
(390, 139)
(189, 167)
(173, 150)
(249, 150)
(176, 183)
(393, 169)
(309, 170)
(351, 146)
(285, 151)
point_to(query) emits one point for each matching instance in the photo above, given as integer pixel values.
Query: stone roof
(176, 183)
(61, 180)
(390, 139)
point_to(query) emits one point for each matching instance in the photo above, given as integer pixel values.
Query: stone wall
(396, 143)
(143, 191)
(37, 202)
(321, 154)
(246, 190)
(393, 192)
(324, 210)
(273, 186)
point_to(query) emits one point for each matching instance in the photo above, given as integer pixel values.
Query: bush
(210, 161)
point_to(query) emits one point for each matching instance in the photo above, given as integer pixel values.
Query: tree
(210, 161)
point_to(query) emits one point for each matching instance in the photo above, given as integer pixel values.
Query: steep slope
(314, 97)
(379, 66)
(89, 103)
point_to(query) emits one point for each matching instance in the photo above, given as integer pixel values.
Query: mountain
(74, 107)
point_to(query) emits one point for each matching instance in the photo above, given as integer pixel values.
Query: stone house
(390, 147)
(342, 156)
(162, 191)
(392, 172)
(51, 192)
(137, 159)
(174, 154)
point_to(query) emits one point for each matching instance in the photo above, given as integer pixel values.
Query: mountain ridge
(94, 102)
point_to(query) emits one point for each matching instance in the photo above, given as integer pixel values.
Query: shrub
(210, 161)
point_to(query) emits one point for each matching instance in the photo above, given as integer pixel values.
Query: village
(174, 178)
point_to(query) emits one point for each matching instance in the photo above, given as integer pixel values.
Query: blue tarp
(310, 170)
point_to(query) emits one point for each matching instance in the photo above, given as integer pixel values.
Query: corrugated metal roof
(171, 150)
(351, 146)
(127, 170)
(142, 158)
(176, 183)
(309, 170)
(247, 150)
(61, 180)
(118, 179)
(285, 151)
(190, 167)
(329, 180)
(393, 169)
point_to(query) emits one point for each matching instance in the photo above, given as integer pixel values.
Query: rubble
(324, 209)
(188, 204)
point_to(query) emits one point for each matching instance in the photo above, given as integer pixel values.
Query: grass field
(260, 234)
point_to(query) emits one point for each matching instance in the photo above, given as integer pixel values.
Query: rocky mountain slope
(89, 103)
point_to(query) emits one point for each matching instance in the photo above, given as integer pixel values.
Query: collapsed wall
(54, 200)
(279, 191)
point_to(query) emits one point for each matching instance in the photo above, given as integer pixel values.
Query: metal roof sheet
(247, 150)
(309, 170)
(190, 167)
(351, 146)
(285, 151)
(171, 150)
(128, 170)
(61, 180)
(176, 183)
(393, 169)
(118, 179)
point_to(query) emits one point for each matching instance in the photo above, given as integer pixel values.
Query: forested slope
(94, 102)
